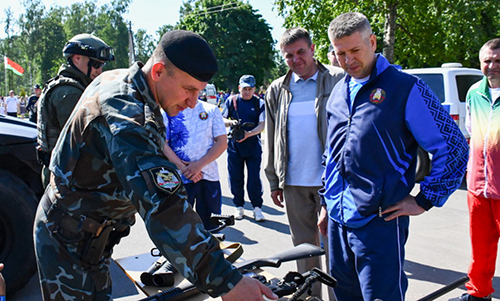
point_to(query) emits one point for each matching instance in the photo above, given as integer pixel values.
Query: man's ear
(75, 58)
(157, 70)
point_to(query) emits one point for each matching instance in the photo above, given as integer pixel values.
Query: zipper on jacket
(485, 153)
(342, 201)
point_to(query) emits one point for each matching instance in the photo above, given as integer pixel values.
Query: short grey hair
(492, 44)
(294, 34)
(347, 24)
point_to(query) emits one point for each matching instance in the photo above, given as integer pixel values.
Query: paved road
(437, 250)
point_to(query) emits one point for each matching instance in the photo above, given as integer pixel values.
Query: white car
(211, 94)
(450, 83)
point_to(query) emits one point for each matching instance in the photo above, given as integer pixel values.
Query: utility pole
(131, 50)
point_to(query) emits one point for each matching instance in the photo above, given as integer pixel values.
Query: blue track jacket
(372, 146)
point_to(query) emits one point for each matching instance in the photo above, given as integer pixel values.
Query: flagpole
(6, 76)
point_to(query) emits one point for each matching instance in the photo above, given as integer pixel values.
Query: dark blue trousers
(368, 261)
(248, 153)
(206, 197)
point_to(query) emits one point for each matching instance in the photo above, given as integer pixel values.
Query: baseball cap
(247, 81)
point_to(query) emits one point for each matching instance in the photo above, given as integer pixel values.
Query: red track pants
(484, 227)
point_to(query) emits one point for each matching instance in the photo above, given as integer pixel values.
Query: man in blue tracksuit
(377, 118)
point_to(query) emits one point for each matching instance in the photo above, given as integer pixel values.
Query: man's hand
(249, 289)
(277, 196)
(3, 289)
(192, 169)
(197, 177)
(323, 221)
(407, 206)
(247, 134)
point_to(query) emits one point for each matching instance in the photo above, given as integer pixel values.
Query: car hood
(16, 131)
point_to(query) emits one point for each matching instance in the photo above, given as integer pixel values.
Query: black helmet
(88, 45)
(37, 86)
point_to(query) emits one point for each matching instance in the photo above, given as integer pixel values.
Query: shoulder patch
(165, 179)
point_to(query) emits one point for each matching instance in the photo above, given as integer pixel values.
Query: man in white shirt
(12, 104)
(195, 139)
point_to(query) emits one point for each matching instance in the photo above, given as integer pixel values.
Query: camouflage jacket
(55, 107)
(109, 164)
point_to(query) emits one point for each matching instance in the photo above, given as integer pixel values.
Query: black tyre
(17, 212)
(423, 165)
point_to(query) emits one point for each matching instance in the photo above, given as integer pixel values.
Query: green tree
(30, 24)
(239, 37)
(106, 22)
(145, 43)
(412, 33)
(52, 41)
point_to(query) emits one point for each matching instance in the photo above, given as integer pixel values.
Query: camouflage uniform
(108, 165)
(55, 109)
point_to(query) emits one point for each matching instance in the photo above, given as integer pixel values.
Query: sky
(150, 14)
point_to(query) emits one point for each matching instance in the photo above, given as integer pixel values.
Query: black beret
(189, 52)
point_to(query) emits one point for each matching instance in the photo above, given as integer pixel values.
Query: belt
(64, 219)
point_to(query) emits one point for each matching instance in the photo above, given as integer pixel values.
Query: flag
(11, 65)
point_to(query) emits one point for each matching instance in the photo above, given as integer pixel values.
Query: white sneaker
(258, 215)
(239, 212)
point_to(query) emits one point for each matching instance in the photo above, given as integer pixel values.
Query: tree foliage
(239, 36)
(426, 33)
(38, 44)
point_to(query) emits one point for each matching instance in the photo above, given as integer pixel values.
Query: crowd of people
(17, 106)
(341, 141)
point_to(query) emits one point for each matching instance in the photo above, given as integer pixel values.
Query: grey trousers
(302, 208)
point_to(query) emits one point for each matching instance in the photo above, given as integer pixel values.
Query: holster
(95, 246)
(95, 238)
(42, 157)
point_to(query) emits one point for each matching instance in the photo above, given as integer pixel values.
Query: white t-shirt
(494, 92)
(191, 134)
(11, 103)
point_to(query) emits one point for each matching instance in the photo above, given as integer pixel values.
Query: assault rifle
(186, 290)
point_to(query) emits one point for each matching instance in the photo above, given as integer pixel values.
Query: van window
(435, 82)
(464, 82)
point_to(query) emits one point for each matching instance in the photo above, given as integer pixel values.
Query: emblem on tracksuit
(203, 115)
(377, 96)
(165, 179)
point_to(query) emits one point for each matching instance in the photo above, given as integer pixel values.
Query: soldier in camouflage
(86, 55)
(108, 165)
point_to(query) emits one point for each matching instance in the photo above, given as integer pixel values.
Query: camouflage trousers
(63, 275)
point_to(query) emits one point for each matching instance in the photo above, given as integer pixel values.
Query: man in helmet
(86, 55)
(32, 103)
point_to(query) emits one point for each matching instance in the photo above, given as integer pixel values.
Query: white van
(450, 83)
(211, 93)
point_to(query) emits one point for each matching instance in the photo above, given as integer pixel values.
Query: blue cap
(247, 81)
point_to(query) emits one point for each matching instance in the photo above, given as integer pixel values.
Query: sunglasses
(96, 64)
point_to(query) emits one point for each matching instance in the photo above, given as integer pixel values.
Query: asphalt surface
(437, 251)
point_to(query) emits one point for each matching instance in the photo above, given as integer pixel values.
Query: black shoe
(467, 297)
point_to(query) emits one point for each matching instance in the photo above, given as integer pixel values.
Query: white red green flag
(11, 65)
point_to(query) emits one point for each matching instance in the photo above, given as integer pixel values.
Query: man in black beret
(108, 165)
